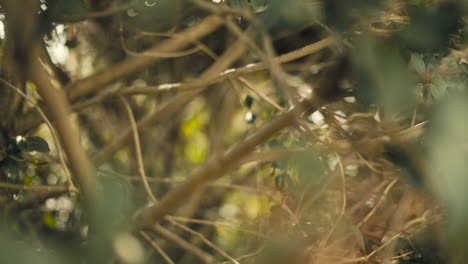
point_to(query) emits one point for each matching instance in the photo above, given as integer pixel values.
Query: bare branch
(174, 238)
(230, 73)
(59, 111)
(219, 165)
(135, 64)
(234, 52)
(125, 68)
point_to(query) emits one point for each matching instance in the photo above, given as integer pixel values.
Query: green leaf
(28, 180)
(34, 144)
(49, 220)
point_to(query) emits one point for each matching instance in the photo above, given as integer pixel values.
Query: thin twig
(59, 110)
(180, 181)
(174, 238)
(218, 224)
(231, 73)
(233, 53)
(382, 198)
(136, 139)
(134, 64)
(156, 247)
(198, 43)
(156, 54)
(261, 95)
(256, 252)
(220, 164)
(207, 242)
(344, 202)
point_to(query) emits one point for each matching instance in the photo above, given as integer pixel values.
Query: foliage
(248, 131)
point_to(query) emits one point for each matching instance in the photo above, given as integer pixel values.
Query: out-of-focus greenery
(387, 162)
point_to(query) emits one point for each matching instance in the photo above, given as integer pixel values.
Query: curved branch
(217, 166)
(128, 67)
(59, 111)
(234, 52)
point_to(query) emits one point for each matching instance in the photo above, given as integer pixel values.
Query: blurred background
(235, 131)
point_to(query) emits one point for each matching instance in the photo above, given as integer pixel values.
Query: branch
(128, 67)
(139, 156)
(234, 52)
(34, 188)
(34, 199)
(59, 111)
(156, 247)
(195, 251)
(230, 73)
(217, 166)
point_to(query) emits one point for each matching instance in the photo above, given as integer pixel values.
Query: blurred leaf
(254, 4)
(14, 251)
(49, 220)
(382, 77)
(190, 127)
(427, 4)
(27, 180)
(282, 14)
(448, 155)
(282, 248)
(114, 203)
(158, 15)
(62, 10)
(33, 144)
(196, 148)
(309, 168)
(341, 14)
(442, 22)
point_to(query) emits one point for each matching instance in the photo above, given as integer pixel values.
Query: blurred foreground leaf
(442, 22)
(448, 156)
(382, 77)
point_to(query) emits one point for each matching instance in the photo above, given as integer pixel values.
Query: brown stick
(195, 251)
(130, 66)
(218, 166)
(135, 64)
(232, 54)
(59, 112)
